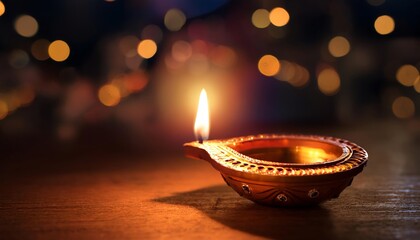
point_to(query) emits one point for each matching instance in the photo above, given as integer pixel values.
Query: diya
(280, 170)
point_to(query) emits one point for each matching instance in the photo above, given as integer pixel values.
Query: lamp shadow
(223, 205)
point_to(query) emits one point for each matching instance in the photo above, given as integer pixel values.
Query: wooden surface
(121, 197)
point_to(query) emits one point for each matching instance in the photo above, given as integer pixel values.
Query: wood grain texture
(122, 197)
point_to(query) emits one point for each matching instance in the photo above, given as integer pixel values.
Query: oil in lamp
(278, 170)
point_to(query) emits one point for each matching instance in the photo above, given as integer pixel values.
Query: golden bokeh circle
(407, 75)
(109, 95)
(59, 50)
(269, 65)
(147, 48)
(384, 24)
(403, 107)
(279, 17)
(339, 46)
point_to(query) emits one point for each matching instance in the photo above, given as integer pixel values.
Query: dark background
(66, 111)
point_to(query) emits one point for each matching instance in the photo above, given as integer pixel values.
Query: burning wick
(202, 122)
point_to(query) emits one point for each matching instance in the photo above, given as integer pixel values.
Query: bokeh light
(135, 81)
(133, 62)
(339, 46)
(174, 19)
(223, 56)
(260, 18)
(403, 107)
(269, 65)
(171, 64)
(407, 75)
(128, 45)
(4, 110)
(179, 44)
(129, 83)
(295, 74)
(147, 48)
(59, 50)
(417, 84)
(181, 51)
(200, 46)
(2, 8)
(287, 72)
(26, 26)
(279, 17)
(301, 77)
(39, 49)
(109, 95)
(26, 95)
(384, 25)
(12, 101)
(18, 58)
(328, 81)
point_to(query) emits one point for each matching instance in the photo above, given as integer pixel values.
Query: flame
(202, 121)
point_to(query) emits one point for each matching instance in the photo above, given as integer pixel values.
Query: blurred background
(125, 76)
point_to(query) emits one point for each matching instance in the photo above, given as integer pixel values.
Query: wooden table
(88, 196)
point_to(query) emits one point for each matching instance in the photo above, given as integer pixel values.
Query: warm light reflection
(109, 95)
(174, 19)
(384, 24)
(147, 48)
(202, 120)
(26, 26)
(59, 51)
(4, 110)
(313, 155)
(279, 17)
(339, 46)
(2, 8)
(328, 81)
(269, 65)
(407, 75)
(260, 18)
(403, 107)
(39, 49)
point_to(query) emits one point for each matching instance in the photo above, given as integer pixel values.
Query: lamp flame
(202, 121)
